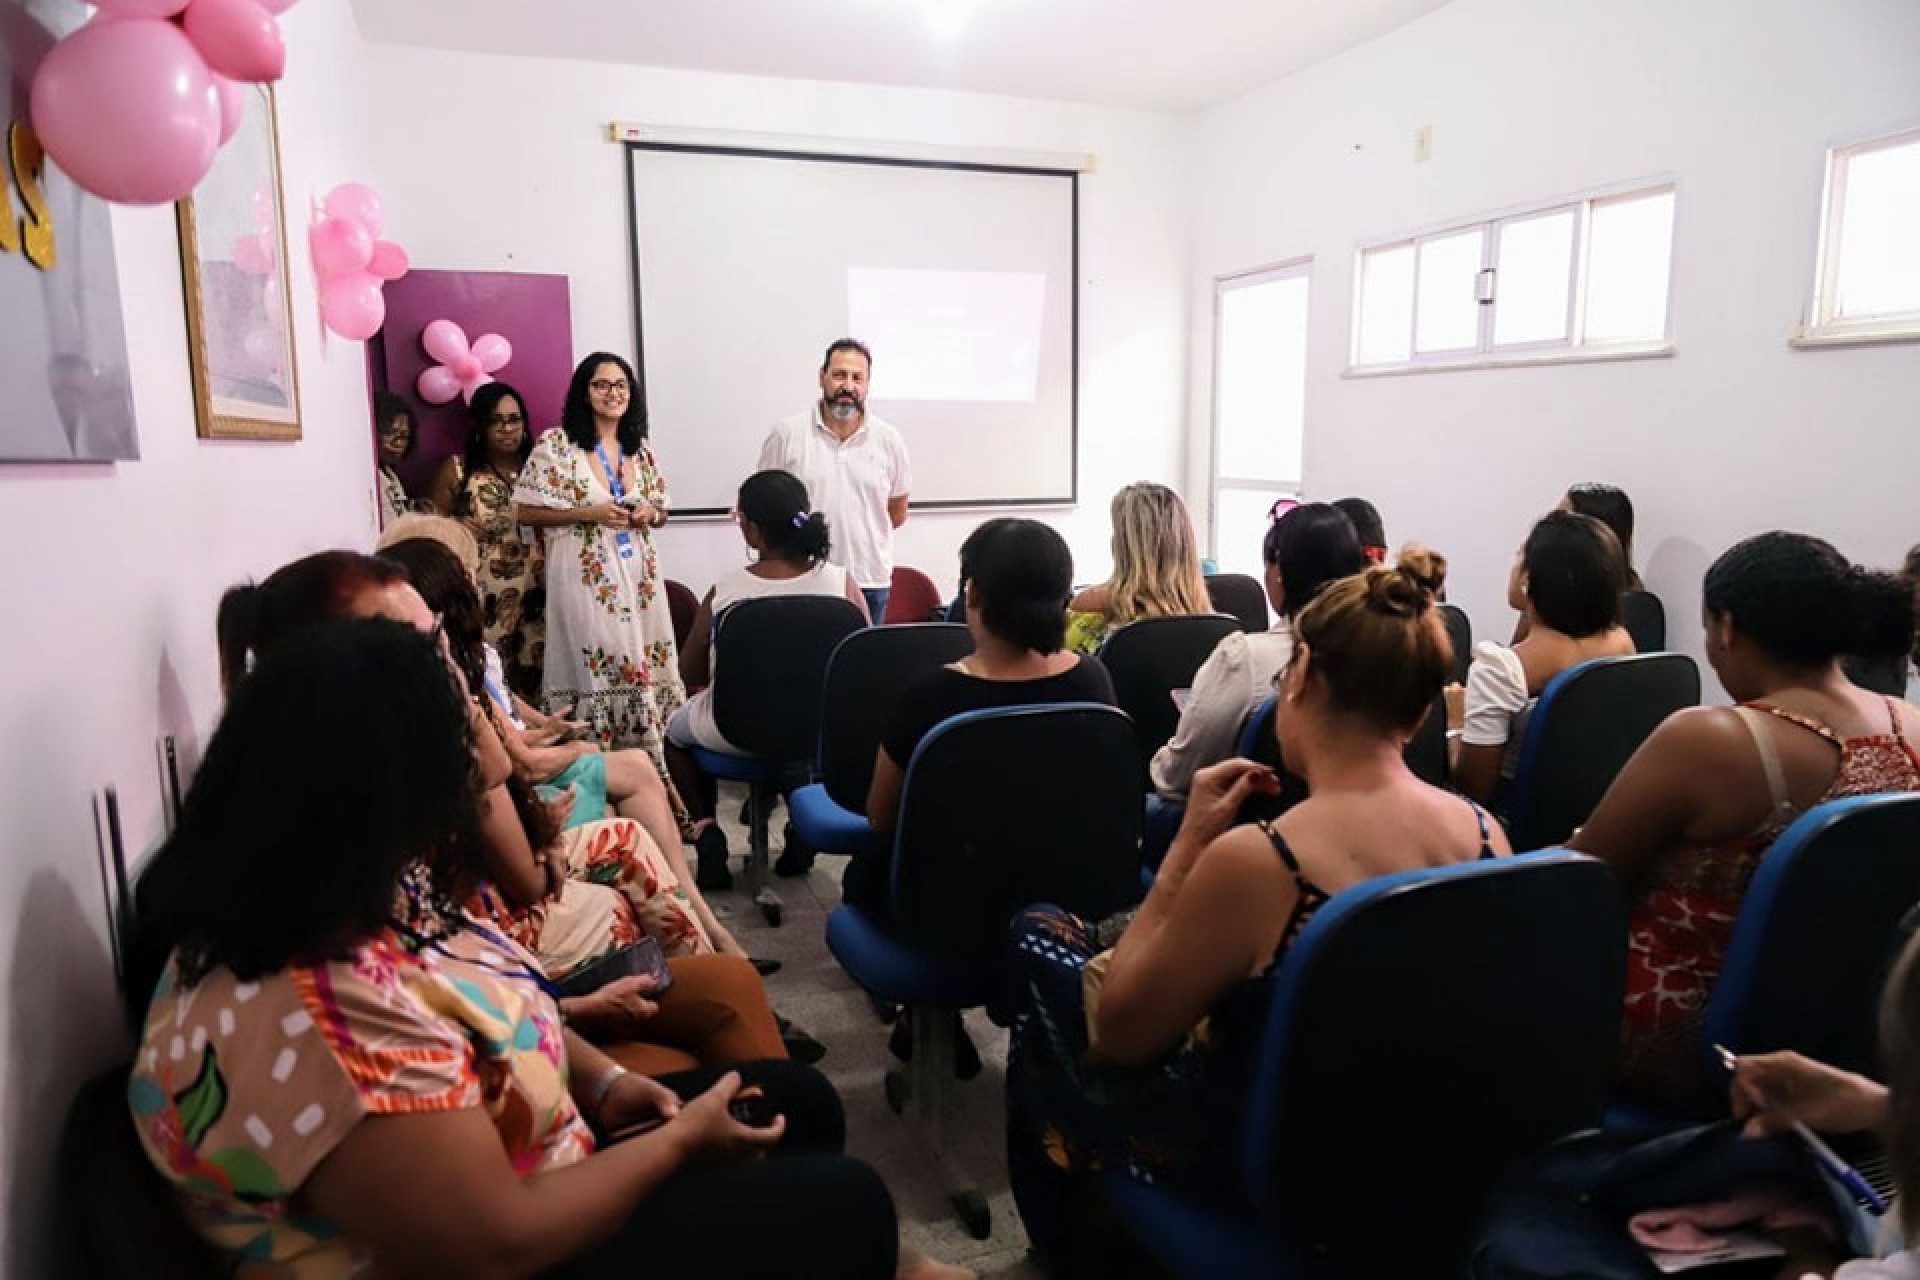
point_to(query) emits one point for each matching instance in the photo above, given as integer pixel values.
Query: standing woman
(397, 432)
(478, 488)
(592, 488)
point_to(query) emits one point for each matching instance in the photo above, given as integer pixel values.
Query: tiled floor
(815, 992)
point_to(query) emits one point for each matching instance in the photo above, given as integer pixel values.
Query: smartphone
(750, 1107)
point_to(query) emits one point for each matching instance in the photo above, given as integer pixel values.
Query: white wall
(113, 575)
(1529, 99)
(494, 163)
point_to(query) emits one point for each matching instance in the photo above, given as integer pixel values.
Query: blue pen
(1839, 1170)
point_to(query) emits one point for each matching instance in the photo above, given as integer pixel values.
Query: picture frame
(234, 267)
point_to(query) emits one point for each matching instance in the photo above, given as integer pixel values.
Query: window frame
(1820, 326)
(1572, 349)
(1292, 268)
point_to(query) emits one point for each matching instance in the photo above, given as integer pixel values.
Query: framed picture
(233, 253)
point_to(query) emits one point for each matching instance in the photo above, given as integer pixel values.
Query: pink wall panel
(530, 311)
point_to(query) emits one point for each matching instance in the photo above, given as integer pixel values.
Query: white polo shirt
(849, 482)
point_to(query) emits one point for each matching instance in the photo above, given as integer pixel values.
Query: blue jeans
(877, 602)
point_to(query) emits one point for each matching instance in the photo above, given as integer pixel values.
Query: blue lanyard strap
(613, 472)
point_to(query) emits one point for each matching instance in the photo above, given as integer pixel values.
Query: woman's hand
(636, 1099)
(706, 1129)
(1772, 1090)
(554, 868)
(561, 806)
(610, 514)
(619, 1009)
(1218, 791)
(645, 515)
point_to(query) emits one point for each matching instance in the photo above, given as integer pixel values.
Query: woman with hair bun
(1150, 1072)
(1693, 811)
(789, 542)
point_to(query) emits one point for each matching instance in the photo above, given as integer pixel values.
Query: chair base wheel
(974, 1213)
(770, 906)
(898, 1090)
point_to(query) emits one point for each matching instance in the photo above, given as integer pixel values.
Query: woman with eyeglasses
(592, 489)
(476, 486)
(396, 433)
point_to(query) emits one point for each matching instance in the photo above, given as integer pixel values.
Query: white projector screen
(962, 280)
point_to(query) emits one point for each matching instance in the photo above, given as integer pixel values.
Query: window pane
(1239, 528)
(1629, 254)
(1535, 265)
(1386, 306)
(1449, 314)
(1260, 386)
(1879, 242)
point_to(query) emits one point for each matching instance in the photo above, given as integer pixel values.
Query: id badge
(624, 541)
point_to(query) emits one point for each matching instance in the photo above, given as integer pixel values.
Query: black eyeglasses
(507, 419)
(606, 388)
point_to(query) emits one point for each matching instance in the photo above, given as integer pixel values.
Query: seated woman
(1156, 569)
(1151, 1073)
(626, 856)
(716, 1010)
(789, 542)
(1368, 524)
(387, 1086)
(1692, 812)
(1015, 576)
(1304, 550)
(1612, 508)
(1566, 582)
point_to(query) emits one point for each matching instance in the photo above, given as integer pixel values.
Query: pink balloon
(276, 6)
(437, 385)
(445, 341)
(389, 260)
(468, 368)
(340, 248)
(238, 38)
(233, 106)
(360, 202)
(492, 351)
(353, 306)
(253, 255)
(128, 110)
(470, 385)
(118, 9)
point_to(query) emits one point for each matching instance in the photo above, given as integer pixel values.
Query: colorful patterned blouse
(240, 1089)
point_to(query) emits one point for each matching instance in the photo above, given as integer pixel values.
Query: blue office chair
(770, 664)
(1588, 721)
(1000, 809)
(1151, 658)
(1826, 914)
(1427, 1030)
(1645, 619)
(865, 677)
(1241, 598)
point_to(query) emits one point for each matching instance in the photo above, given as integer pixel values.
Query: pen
(1842, 1172)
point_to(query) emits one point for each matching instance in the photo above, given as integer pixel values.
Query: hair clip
(800, 519)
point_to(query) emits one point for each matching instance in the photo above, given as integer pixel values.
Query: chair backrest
(1426, 750)
(1645, 619)
(1241, 597)
(911, 597)
(1878, 675)
(115, 1216)
(865, 677)
(1151, 658)
(1460, 636)
(1822, 922)
(1427, 1029)
(1005, 808)
(682, 605)
(1258, 744)
(1590, 718)
(770, 663)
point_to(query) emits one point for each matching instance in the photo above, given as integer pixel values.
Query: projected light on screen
(950, 335)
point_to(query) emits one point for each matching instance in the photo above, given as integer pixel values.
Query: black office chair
(1589, 719)
(1426, 1030)
(1151, 658)
(1426, 750)
(1241, 597)
(865, 678)
(1645, 619)
(1460, 637)
(999, 810)
(770, 665)
(1878, 675)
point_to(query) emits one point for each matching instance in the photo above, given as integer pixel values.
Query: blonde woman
(1156, 568)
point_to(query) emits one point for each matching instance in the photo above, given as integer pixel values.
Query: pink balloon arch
(464, 368)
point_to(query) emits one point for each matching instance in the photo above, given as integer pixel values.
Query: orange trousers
(714, 1015)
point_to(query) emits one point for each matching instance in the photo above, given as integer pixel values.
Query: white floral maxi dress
(610, 651)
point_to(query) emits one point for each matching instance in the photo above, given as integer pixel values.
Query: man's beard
(845, 405)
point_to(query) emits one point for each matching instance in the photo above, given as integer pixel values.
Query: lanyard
(613, 472)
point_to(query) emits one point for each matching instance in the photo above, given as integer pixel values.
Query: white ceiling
(1173, 55)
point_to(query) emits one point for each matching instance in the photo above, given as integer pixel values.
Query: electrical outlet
(1423, 144)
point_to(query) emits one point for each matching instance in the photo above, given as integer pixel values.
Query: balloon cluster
(134, 105)
(463, 369)
(352, 262)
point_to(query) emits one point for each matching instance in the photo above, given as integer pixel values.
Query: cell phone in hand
(751, 1108)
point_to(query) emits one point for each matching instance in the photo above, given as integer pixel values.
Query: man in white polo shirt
(854, 466)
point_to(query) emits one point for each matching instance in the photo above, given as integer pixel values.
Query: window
(1580, 279)
(1868, 284)
(1259, 405)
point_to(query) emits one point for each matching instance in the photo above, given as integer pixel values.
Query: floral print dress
(610, 654)
(513, 565)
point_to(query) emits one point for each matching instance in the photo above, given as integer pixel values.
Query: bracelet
(598, 1098)
(1454, 733)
